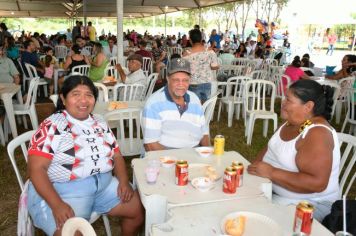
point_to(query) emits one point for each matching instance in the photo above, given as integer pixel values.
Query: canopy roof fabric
(97, 8)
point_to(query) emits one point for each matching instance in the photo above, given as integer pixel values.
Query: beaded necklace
(304, 125)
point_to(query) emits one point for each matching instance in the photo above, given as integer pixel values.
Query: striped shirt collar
(180, 108)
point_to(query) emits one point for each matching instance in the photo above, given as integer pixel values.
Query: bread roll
(236, 226)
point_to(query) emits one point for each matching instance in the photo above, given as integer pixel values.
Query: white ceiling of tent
(98, 8)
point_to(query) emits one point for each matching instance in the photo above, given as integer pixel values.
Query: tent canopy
(97, 8)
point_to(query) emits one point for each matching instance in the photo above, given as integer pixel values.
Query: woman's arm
(67, 63)
(339, 75)
(100, 58)
(313, 159)
(305, 76)
(38, 167)
(124, 190)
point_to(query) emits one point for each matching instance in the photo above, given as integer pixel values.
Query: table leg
(55, 81)
(156, 210)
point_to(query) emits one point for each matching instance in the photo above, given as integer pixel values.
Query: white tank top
(281, 154)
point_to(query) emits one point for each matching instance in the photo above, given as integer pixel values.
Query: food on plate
(211, 173)
(236, 226)
(109, 79)
(167, 161)
(117, 105)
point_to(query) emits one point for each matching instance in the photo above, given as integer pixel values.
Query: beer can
(219, 144)
(181, 173)
(303, 218)
(229, 183)
(239, 168)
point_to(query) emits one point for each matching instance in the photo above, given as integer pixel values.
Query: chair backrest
(351, 107)
(232, 70)
(175, 50)
(129, 139)
(31, 70)
(336, 88)
(267, 63)
(208, 108)
(54, 98)
(32, 90)
(348, 158)
(11, 147)
(147, 66)
(259, 74)
(60, 51)
(255, 95)
(151, 84)
(110, 71)
(235, 87)
(282, 82)
(129, 92)
(240, 61)
(103, 95)
(81, 69)
(113, 61)
(89, 49)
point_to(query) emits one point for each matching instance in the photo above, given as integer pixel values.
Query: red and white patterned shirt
(77, 149)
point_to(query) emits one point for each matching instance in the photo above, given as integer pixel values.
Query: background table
(204, 219)
(7, 91)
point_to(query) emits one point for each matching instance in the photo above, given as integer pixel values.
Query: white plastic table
(102, 107)
(7, 91)
(165, 193)
(205, 219)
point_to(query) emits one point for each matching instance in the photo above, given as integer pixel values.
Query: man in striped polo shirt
(173, 116)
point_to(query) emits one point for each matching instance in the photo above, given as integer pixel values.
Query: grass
(235, 140)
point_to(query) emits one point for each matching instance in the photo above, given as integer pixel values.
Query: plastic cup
(155, 164)
(151, 175)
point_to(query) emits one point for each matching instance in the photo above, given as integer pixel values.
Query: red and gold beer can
(219, 145)
(239, 168)
(229, 184)
(303, 218)
(181, 173)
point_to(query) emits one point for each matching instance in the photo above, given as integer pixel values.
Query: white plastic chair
(89, 49)
(282, 82)
(32, 73)
(60, 52)
(25, 78)
(54, 98)
(351, 112)
(209, 107)
(82, 70)
(129, 140)
(233, 97)
(174, 50)
(151, 84)
(341, 102)
(240, 61)
(232, 70)
(113, 61)
(129, 92)
(347, 162)
(259, 74)
(147, 66)
(336, 94)
(21, 140)
(257, 106)
(110, 71)
(28, 108)
(77, 224)
(103, 95)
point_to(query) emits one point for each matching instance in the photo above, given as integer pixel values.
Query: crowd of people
(75, 166)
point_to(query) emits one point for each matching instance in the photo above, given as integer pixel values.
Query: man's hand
(261, 169)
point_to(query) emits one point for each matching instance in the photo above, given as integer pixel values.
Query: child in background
(49, 70)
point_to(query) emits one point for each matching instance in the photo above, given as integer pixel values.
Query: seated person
(173, 116)
(135, 74)
(346, 65)
(8, 71)
(30, 56)
(98, 64)
(301, 164)
(71, 161)
(294, 71)
(226, 57)
(306, 61)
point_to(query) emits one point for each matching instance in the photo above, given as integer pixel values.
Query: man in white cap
(173, 116)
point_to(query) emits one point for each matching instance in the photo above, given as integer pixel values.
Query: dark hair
(76, 49)
(322, 96)
(143, 43)
(195, 36)
(27, 43)
(47, 49)
(351, 58)
(3, 26)
(259, 53)
(175, 55)
(306, 55)
(71, 83)
(305, 62)
(296, 61)
(159, 43)
(48, 60)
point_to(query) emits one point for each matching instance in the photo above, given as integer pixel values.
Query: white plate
(196, 170)
(256, 224)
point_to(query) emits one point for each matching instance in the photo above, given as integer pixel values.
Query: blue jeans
(331, 49)
(203, 91)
